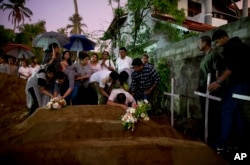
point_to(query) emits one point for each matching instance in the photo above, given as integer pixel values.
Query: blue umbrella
(79, 42)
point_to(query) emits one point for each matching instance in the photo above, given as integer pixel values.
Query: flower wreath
(137, 111)
(56, 103)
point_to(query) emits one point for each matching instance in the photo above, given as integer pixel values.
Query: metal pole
(206, 108)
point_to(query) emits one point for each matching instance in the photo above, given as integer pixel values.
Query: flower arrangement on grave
(134, 113)
(56, 103)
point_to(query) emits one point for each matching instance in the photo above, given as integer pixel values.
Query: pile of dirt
(13, 109)
(88, 135)
(94, 135)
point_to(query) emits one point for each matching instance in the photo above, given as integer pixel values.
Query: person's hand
(147, 92)
(28, 75)
(103, 62)
(110, 68)
(78, 78)
(60, 98)
(213, 86)
(52, 96)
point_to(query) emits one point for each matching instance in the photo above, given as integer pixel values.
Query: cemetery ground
(89, 135)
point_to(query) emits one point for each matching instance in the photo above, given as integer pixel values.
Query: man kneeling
(121, 98)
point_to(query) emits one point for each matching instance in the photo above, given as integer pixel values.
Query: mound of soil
(88, 135)
(13, 108)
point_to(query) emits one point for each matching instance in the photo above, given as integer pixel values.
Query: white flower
(56, 105)
(140, 104)
(55, 99)
(49, 104)
(134, 113)
(131, 110)
(143, 115)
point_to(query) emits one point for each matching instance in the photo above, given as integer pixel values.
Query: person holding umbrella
(52, 56)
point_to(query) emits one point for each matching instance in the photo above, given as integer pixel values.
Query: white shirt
(115, 92)
(107, 63)
(123, 63)
(100, 77)
(25, 71)
(34, 69)
(96, 67)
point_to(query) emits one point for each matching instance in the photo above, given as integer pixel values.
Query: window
(194, 8)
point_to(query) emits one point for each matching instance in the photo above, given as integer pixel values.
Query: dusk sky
(96, 14)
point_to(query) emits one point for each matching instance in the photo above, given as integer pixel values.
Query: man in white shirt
(101, 79)
(123, 61)
(115, 98)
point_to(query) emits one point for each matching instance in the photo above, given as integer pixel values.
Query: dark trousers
(231, 115)
(139, 97)
(34, 105)
(214, 117)
(73, 95)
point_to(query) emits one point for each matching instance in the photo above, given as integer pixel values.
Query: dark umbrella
(46, 38)
(79, 42)
(18, 51)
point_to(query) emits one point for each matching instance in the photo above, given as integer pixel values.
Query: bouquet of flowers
(56, 103)
(138, 111)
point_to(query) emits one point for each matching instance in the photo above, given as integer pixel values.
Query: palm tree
(76, 21)
(34, 29)
(29, 31)
(17, 11)
(76, 26)
(62, 30)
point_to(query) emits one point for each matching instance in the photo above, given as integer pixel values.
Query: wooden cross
(242, 97)
(207, 96)
(173, 96)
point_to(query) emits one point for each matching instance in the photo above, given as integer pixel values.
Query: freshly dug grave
(94, 135)
(87, 135)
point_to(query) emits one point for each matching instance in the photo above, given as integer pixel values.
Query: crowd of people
(9, 65)
(94, 82)
(88, 81)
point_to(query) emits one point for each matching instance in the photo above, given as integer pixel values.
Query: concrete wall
(184, 59)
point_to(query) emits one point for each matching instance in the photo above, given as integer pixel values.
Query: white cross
(172, 95)
(207, 96)
(242, 97)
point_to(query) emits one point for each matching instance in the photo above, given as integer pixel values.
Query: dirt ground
(88, 135)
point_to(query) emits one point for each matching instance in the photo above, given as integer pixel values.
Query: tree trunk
(76, 14)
